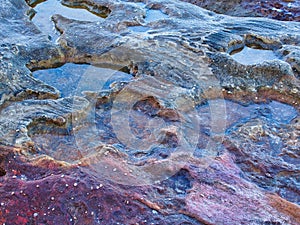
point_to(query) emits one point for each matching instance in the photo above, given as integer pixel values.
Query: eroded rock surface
(191, 136)
(287, 10)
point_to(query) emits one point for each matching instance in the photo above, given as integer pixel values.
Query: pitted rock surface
(286, 10)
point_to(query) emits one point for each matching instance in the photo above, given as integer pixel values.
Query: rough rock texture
(194, 138)
(286, 10)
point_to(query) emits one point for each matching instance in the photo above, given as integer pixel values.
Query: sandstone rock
(281, 10)
(195, 137)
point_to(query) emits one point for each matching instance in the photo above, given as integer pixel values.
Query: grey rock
(181, 63)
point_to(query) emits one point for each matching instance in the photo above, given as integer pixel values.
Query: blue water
(72, 79)
(249, 56)
(154, 15)
(45, 10)
(138, 29)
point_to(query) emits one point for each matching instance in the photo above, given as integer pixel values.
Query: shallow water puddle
(138, 29)
(249, 56)
(71, 79)
(234, 113)
(212, 123)
(154, 15)
(141, 4)
(99, 129)
(45, 10)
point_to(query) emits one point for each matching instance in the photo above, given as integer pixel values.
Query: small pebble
(154, 211)
(294, 90)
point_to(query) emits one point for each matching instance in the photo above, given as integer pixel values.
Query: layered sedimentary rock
(191, 136)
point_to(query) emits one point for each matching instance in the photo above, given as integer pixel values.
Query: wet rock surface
(146, 116)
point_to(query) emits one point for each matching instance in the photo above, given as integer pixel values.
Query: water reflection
(138, 29)
(45, 10)
(78, 143)
(249, 56)
(277, 112)
(67, 78)
(154, 15)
